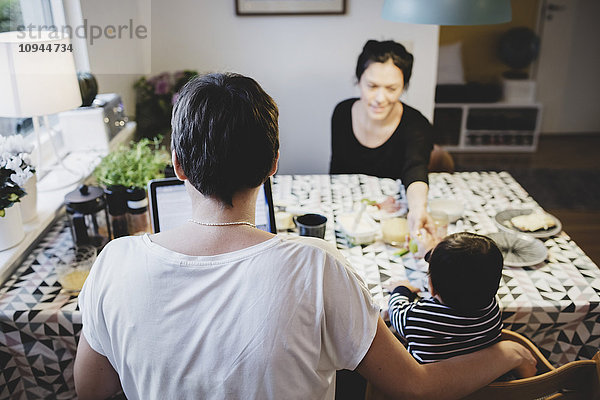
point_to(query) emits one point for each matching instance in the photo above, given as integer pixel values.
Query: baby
(462, 315)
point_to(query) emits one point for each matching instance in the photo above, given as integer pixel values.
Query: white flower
(21, 176)
(14, 162)
(14, 144)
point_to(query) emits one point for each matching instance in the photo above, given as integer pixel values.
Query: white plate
(519, 250)
(503, 218)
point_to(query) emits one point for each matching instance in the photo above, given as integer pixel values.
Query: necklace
(222, 223)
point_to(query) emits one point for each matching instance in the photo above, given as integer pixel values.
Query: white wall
(306, 63)
(567, 75)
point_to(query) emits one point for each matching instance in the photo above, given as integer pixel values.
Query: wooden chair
(440, 160)
(575, 380)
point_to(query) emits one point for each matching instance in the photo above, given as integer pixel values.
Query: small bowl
(453, 208)
(363, 233)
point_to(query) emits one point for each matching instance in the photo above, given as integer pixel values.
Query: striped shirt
(435, 331)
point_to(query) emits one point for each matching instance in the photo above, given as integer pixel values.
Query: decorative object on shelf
(155, 97)
(282, 7)
(448, 12)
(19, 152)
(40, 83)
(88, 87)
(518, 48)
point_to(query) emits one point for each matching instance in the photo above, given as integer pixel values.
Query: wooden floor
(554, 152)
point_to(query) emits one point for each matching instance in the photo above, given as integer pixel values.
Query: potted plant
(125, 173)
(155, 97)
(15, 145)
(15, 170)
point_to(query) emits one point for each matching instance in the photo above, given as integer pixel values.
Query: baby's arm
(401, 302)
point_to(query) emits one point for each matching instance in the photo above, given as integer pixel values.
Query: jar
(138, 219)
(116, 198)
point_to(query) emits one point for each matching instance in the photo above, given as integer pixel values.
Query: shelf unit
(490, 127)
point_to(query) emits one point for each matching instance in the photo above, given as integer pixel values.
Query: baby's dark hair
(465, 270)
(375, 51)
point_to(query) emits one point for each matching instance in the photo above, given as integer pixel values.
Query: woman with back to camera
(217, 309)
(379, 135)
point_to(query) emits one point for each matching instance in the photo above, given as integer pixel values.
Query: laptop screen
(170, 205)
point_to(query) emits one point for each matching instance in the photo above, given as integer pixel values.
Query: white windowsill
(50, 204)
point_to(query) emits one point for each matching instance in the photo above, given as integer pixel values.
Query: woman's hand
(419, 218)
(528, 366)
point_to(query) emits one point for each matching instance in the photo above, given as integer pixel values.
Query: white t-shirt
(272, 321)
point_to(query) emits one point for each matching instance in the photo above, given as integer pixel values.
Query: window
(45, 13)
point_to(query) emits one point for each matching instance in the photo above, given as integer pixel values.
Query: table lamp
(447, 12)
(37, 79)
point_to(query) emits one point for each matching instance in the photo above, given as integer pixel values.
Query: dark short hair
(465, 269)
(225, 134)
(375, 51)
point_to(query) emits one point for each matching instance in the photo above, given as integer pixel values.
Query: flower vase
(11, 227)
(29, 201)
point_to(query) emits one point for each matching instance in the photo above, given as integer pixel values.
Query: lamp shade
(447, 12)
(35, 82)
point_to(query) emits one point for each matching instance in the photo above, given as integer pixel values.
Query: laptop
(170, 205)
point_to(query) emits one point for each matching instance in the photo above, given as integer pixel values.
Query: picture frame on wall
(289, 7)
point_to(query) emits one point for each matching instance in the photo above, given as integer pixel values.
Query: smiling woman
(379, 135)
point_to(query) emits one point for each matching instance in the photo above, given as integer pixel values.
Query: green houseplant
(134, 165)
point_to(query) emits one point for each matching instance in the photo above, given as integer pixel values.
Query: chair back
(575, 380)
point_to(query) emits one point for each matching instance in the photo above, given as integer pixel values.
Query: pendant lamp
(447, 12)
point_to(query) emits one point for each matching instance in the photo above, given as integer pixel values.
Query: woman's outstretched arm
(390, 367)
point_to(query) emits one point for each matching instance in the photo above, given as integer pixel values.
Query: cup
(311, 225)
(394, 231)
(440, 219)
(74, 267)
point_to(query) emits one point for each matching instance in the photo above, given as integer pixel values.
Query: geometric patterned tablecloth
(556, 304)
(39, 326)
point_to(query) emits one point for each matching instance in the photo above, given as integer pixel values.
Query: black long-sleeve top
(436, 332)
(405, 155)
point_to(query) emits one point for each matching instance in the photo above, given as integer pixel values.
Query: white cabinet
(487, 126)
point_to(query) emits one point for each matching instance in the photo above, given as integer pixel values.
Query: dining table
(555, 303)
